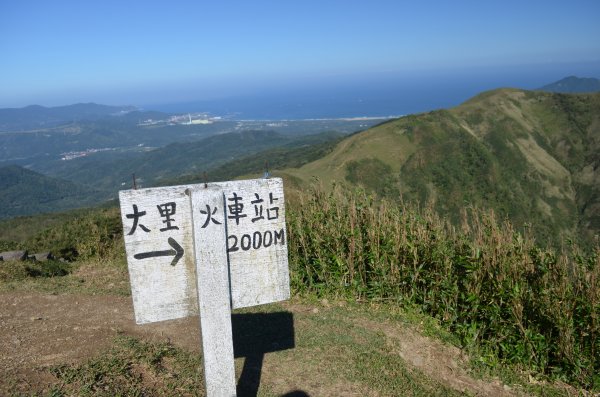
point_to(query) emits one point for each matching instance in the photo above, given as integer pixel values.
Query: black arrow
(177, 251)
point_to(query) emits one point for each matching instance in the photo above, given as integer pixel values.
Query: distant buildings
(73, 155)
(182, 119)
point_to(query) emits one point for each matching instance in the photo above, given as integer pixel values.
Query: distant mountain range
(35, 116)
(573, 84)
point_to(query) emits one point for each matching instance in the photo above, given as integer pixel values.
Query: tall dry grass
(495, 288)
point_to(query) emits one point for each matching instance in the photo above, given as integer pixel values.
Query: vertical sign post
(213, 290)
(206, 248)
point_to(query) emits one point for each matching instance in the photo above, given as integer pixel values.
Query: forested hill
(35, 116)
(532, 156)
(92, 179)
(24, 192)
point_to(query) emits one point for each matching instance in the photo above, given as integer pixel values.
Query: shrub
(20, 270)
(97, 233)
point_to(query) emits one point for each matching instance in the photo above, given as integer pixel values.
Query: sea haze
(382, 95)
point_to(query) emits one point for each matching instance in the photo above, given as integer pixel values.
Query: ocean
(380, 95)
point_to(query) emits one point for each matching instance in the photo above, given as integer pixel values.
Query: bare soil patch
(40, 330)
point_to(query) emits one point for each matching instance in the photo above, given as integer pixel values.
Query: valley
(100, 156)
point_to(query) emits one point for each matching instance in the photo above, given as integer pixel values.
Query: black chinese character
(274, 209)
(258, 209)
(236, 208)
(209, 216)
(136, 216)
(166, 211)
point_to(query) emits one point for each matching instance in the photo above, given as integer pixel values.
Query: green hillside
(92, 179)
(295, 153)
(24, 192)
(35, 116)
(530, 156)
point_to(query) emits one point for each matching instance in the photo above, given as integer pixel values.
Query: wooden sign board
(256, 242)
(159, 242)
(157, 227)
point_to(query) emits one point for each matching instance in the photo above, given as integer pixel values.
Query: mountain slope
(35, 116)
(531, 156)
(24, 192)
(573, 85)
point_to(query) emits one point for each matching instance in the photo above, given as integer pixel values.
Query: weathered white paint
(259, 274)
(161, 291)
(213, 291)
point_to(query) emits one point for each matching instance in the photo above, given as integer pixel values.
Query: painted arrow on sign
(177, 251)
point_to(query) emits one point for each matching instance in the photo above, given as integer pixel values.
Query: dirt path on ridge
(39, 330)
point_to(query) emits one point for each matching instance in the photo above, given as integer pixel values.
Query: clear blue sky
(140, 52)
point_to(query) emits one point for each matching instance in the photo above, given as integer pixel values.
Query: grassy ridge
(504, 297)
(529, 156)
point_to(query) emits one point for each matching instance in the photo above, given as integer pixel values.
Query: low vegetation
(132, 368)
(97, 234)
(18, 271)
(341, 345)
(88, 246)
(507, 299)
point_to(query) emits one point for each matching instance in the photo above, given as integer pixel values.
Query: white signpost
(213, 292)
(210, 248)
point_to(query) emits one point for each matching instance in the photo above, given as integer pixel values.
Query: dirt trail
(38, 330)
(444, 363)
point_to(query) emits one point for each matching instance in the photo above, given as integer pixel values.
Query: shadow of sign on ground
(254, 335)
